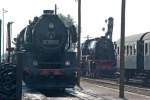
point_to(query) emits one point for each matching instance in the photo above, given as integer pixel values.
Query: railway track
(68, 94)
(84, 95)
(113, 84)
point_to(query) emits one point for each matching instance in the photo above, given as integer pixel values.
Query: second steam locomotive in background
(98, 55)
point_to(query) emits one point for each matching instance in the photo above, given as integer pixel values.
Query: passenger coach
(137, 56)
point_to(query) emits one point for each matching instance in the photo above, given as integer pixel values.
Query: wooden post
(122, 40)
(8, 45)
(4, 11)
(19, 71)
(79, 34)
(0, 38)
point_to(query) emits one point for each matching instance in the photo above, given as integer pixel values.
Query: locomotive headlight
(67, 63)
(35, 63)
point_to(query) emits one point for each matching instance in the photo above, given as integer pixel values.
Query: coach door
(140, 56)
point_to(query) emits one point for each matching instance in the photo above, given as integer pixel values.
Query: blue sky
(94, 13)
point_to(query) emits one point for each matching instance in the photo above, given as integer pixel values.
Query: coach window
(127, 50)
(130, 50)
(118, 50)
(134, 49)
(115, 46)
(146, 48)
(149, 48)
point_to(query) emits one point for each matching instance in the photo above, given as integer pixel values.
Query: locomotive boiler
(48, 48)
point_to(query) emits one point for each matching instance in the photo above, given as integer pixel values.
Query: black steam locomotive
(49, 57)
(98, 55)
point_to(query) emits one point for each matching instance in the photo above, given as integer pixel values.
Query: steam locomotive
(48, 48)
(98, 55)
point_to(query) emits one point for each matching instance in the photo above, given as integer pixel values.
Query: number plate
(50, 42)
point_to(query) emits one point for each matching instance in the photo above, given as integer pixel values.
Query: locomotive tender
(137, 56)
(98, 55)
(49, 59)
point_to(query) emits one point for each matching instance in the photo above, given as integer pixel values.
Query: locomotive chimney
(48, 12)
(55, 9)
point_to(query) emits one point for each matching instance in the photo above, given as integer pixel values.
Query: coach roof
(147, 36)
(136, 37)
